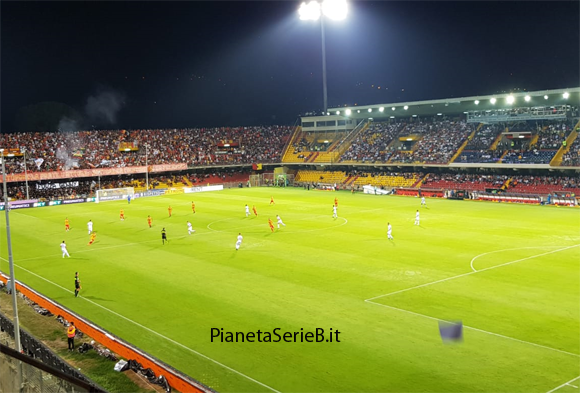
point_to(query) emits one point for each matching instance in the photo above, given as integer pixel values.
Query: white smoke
(105, 106)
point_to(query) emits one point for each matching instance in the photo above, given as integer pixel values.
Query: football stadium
(396, 246)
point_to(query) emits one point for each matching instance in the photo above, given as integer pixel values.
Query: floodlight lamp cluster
(333, 9)
(510, 99)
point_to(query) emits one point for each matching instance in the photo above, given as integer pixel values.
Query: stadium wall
(176, 380)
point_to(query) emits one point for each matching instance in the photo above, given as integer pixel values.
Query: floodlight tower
(17, 345)
(333, 9)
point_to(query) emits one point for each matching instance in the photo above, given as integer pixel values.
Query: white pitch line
(156, 333)
(478, 330)
(574, 386)
(505, 249)
(564, 384)
(469, 273)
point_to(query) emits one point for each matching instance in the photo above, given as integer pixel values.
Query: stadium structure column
(25, 174)
(17, 345)
(146, 166)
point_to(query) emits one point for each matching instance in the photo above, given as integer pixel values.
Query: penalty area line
(564, 384)
(469, 273)
(154, 332)
(478, 330)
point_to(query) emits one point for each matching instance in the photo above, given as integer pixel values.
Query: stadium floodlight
(405, 107)
(309, 11)
(348, 112)
(393, 108)
(358, 111)
(327, 113)
(391, 117)
(439, 114)
(414, 115)
(338, 112)
(476, 102)
(17, 345)
(510, 99)
(493, 100)
(370, 110)
(333, 9)
(382, 109)
(566, 95)
(545, 97)
(527, 98)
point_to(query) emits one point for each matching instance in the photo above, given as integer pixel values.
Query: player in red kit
(254, 209)
(271, 224)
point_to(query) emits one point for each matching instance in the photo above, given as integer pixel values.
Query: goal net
(114, 194)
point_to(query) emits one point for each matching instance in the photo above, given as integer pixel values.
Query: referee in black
(164, 236)
(77, 284)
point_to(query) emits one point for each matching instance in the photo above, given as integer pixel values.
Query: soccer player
(254, 209)
(334, 212)
(164, 236)
(63, 249)
(90, 226)
(247, 211)
(239, 242)
(272, 201)
(389, 231)
(336, 202)
(190, 230)
(66, 224)
(149, 221)
(423, 203)
(279, 221)
(122, 215)
(169, 210)
(193, 206)
(77, 284)
(93, 237)
(416, 218)
(271, 224)
(129, 199)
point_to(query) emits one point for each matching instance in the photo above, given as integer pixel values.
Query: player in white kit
(247, 210)
(389, 231)
(279, 221)
(334, 213)
(417, 218)
(239, 242)
(90, 226)
(63, 249)
(423, 203)
(190, 230)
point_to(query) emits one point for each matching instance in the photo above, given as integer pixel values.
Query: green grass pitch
(509, 272)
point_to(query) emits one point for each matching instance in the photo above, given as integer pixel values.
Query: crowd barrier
(176, 380)
(507, 197)
(35, 349)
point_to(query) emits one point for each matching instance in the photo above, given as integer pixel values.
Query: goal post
(114, 194)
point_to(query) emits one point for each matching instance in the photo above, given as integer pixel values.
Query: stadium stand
(107, 149)
(387, 180)
(372, 145)
(470, 182)
(438, 143)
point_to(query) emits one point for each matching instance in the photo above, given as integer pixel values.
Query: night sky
(191, 64)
